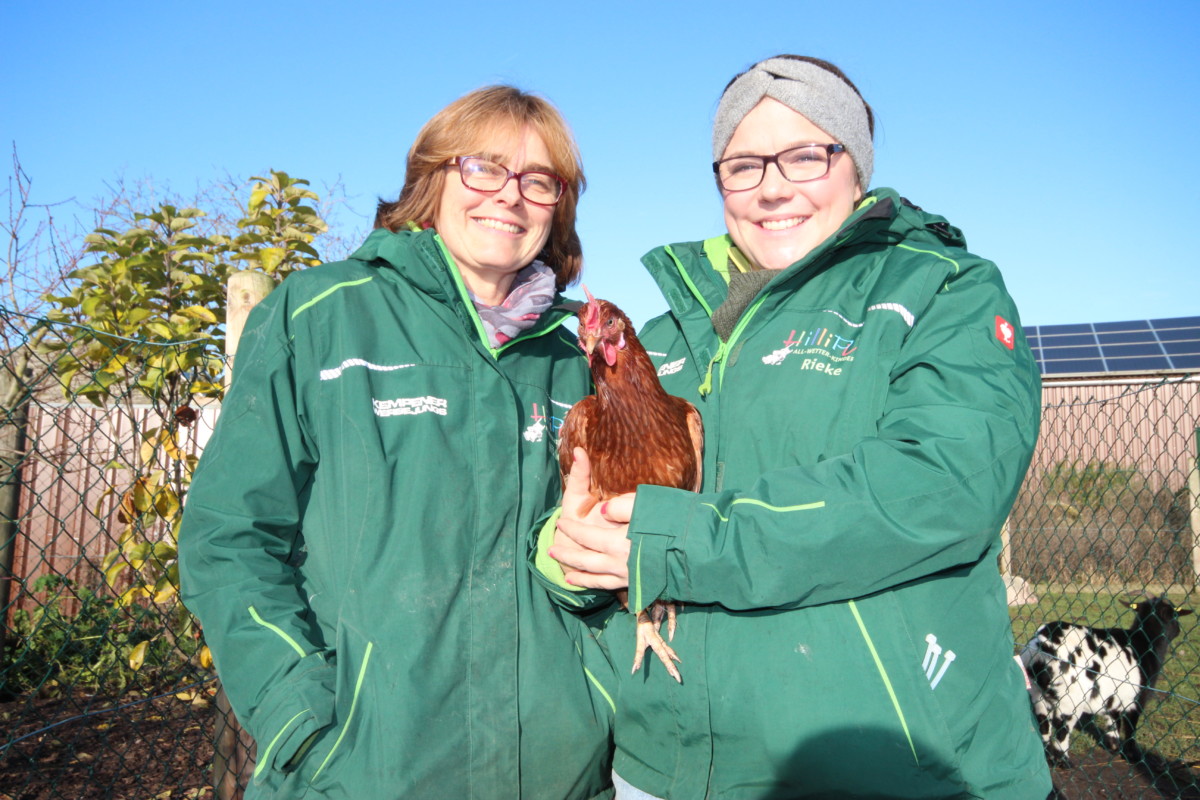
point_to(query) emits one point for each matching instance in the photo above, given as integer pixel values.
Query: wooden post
(234, 753)
(1005, 550)
(12, 459)
(245, 290)
(233, 748)
(1194, 492)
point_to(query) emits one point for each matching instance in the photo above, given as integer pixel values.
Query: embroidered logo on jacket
(407, 406)
(935, 656)
(336, 372)
(544, 419)
(1005, 332)
(826, 351)
(671, 367)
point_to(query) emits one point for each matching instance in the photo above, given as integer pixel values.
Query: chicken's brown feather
(633, 431)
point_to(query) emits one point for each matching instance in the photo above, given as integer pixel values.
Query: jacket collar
(412, 256)
(694, 275)
(420, 259)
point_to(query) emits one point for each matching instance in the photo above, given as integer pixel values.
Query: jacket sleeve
(239, 543)
(929, 492)
(548, 572)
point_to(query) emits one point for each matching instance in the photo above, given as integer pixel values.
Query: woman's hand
(590, 542)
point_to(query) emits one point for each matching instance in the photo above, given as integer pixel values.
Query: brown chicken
(633, 433)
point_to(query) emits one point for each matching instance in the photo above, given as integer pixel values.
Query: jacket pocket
(821, 691)
(909, 677)
(320, 768)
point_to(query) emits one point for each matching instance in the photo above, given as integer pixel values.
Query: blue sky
(1061, 137)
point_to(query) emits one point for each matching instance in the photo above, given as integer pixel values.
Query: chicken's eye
(611, 321)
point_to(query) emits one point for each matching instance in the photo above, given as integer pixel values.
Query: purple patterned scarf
(531, 294)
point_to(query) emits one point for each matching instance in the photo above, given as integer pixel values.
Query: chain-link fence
(1108, 515)
(106, 689)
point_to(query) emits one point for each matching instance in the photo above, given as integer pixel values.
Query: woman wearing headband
(870, 407)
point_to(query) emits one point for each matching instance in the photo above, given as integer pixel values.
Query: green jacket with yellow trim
(354, 536)
(844, 629)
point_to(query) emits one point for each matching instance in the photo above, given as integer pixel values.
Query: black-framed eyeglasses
(807, 162)
(539, 188)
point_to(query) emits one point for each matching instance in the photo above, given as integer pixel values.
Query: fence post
(233, 748)
(1005, 549)
(12, 457)
(245, 290)
(1194, 492)
(233, 752)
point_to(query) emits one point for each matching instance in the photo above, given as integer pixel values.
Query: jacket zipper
(723, 350)
(706, 387)
(887, 681)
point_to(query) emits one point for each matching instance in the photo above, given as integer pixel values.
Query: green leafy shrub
(79, 641)
(145, 317)
(1100, 523)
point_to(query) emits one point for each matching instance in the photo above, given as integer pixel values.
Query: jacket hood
(431, 272)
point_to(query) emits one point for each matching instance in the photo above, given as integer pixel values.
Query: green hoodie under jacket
(844, 629)
(354, 539)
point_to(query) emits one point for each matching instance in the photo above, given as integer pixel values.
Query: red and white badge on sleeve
(1005, 332)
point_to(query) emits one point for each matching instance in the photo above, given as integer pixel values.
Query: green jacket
(353, 540)
(844, 629)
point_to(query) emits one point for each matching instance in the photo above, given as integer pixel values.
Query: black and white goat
(1104, 675)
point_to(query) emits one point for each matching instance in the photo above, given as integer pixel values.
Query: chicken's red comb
(593, 310)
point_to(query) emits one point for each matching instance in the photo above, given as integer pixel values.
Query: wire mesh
(1108, 515)
(105, 690)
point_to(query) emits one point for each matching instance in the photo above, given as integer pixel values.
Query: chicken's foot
(649, 623)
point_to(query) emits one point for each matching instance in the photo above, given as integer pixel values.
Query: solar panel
(1154, 345)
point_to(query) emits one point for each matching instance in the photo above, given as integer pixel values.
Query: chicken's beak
(587, 343)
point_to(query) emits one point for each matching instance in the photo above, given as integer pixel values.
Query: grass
(1170, 724)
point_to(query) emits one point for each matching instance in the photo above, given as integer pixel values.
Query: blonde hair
(463, 128)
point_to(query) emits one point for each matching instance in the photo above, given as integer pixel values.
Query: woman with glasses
(870, 407)
(355, 532)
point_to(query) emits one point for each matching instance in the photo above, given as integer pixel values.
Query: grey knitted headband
(825, 99)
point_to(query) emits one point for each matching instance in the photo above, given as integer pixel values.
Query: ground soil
(162, 750)
(1099, 776)
(159, 749)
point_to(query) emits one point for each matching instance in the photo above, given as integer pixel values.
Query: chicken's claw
(649, 622)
